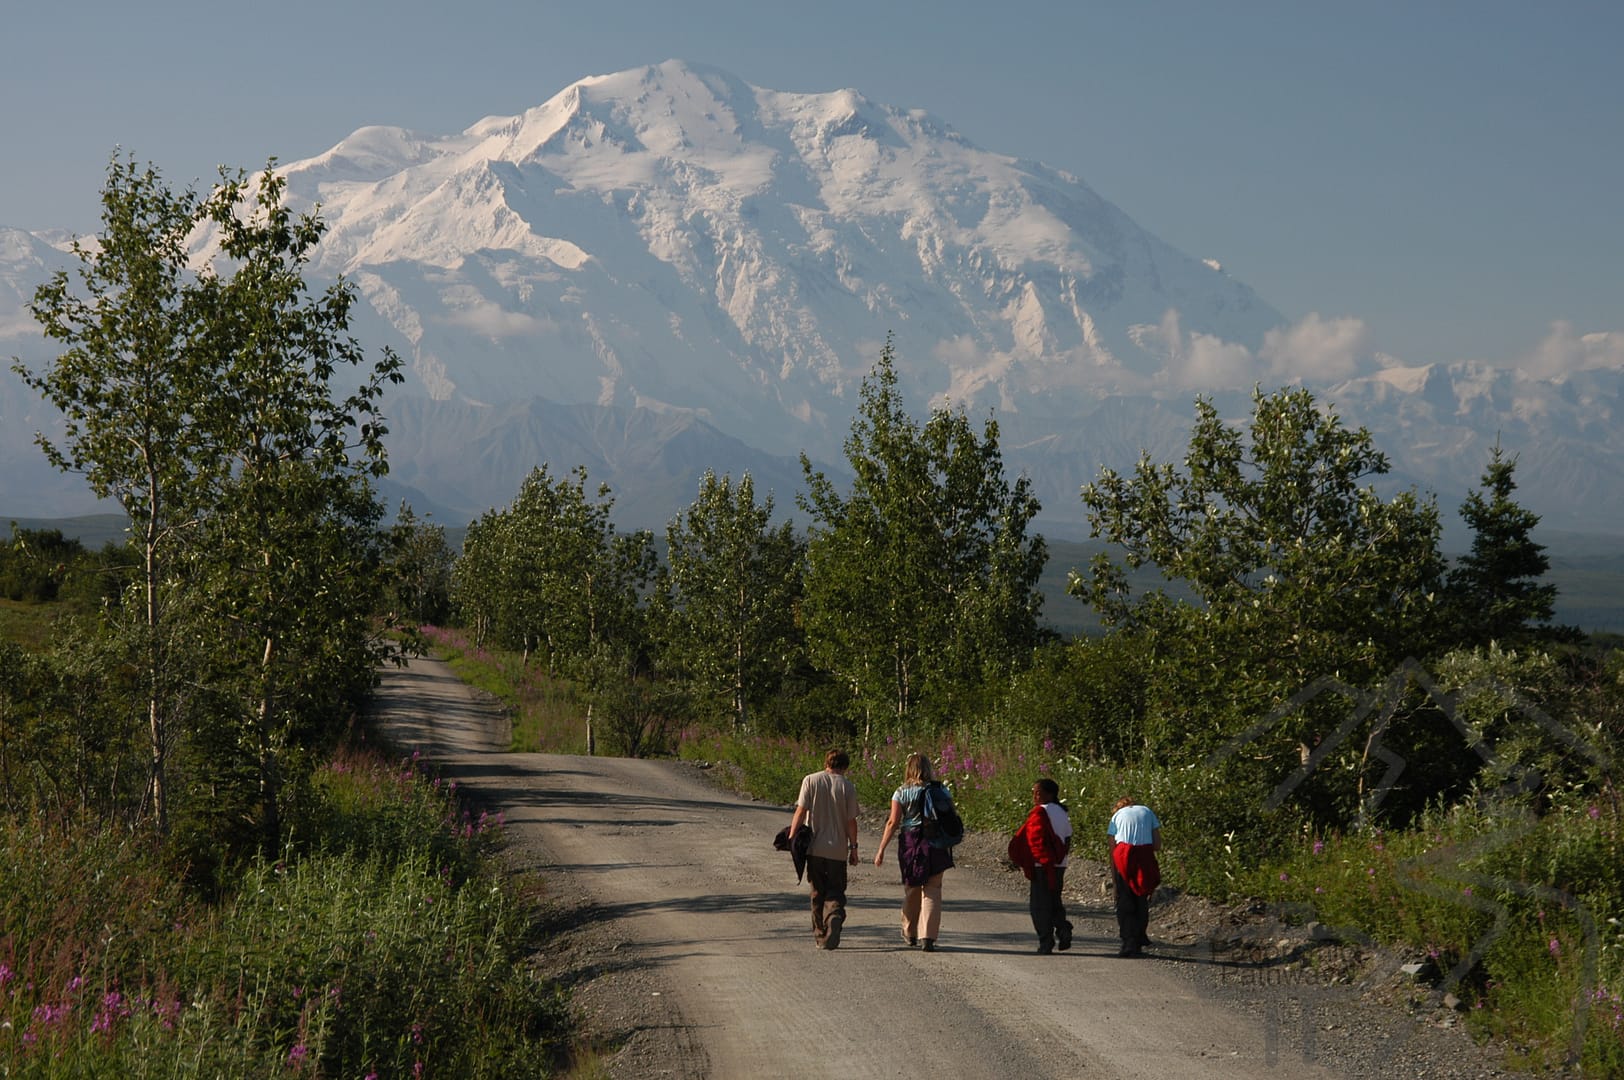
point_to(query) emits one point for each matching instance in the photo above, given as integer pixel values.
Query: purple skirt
(918, 859)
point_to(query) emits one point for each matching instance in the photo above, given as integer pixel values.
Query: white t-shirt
(1061, 823)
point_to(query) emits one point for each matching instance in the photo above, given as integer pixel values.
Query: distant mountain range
(666, 269)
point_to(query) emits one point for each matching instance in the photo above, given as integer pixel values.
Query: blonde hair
(1123, 803)
(918, 771)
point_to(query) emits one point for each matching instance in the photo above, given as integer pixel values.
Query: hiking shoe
(1045, 949)
(1063, 938)
(831, 940)
(913, 942)
(930, 944)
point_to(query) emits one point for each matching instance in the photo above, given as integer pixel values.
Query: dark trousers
(1048, 905)
(828, 880)
(1133, 915)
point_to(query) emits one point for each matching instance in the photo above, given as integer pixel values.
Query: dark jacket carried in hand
(797, 847)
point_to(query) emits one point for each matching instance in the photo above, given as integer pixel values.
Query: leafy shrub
(386, 943)
(1520, 913)
(1087, 696)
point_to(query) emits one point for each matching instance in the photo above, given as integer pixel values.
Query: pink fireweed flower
(46, 1015)
(167, 1014)
(296, 1056)
(113, 1008)
(1555, 947)
(1319, 847)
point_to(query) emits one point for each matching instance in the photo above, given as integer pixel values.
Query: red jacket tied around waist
(1138, 866)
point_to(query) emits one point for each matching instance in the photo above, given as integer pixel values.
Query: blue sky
(1450, 173)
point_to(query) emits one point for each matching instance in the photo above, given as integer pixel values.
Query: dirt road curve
(712, 918)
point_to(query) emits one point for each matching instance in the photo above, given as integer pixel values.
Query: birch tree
(922, 579)
(199, 393)
(731, 594)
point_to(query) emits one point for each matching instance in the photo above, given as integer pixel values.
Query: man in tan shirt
(828, 804)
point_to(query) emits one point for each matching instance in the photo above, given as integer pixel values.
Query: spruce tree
(1495, 592)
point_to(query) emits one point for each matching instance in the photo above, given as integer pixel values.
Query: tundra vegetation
(207, 869)
(1326, 711)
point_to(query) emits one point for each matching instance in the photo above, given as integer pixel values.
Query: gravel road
(687, 945)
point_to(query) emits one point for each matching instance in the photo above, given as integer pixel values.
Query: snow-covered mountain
(666, 269)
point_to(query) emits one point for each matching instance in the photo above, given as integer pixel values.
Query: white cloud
(1563, 352)
(1200, 361)
(1318, 349)
(1211, 362)
(497, 324)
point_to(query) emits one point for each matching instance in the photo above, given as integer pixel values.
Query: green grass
(1532, 911)
(1521, 916)
(382, 946)
(28, 625)
(547, 713)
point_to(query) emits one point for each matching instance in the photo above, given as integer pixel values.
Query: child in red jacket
(1041, 848)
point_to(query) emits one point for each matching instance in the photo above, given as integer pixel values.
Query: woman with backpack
(923, 852)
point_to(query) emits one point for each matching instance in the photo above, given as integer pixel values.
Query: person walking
(1042, 849)
(827, 803)
(922, 863)
(1136, 837)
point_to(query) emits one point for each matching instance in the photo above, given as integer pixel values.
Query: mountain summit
(673, 238)
(667, 269)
